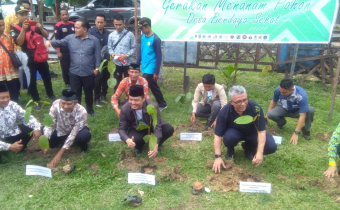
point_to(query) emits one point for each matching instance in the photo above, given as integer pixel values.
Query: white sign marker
(278, 139)
(191, 136)
(32, 170)
(114, 137)
(137, 178)
(255, 187)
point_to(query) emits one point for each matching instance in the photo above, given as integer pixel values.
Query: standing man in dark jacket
(61, 30)
(134, 113)
(100, 84)
(85, 61)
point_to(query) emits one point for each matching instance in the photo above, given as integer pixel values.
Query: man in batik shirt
(15, 137)
(126, 83)
(69, 125)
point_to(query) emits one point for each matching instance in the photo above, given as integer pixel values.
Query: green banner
(275, 21)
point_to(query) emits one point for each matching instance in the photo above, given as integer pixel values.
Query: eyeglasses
(240, 101)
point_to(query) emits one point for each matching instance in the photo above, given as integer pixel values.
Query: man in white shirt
(213, 100)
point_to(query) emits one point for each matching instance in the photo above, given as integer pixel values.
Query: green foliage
(146, 138)
(48, 121)
(228, 73)
(183, 98)
(43, 142)
(28, 114)
(265, 70)
(101, 67)
(152, 141)
(141, 127)
(112, 82)
(45, 102)
(152, 111)
(30, 103)
(243, 120)
(111, 66)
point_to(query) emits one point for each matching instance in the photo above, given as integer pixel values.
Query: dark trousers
(14, 87)
(118, 74)
(65, 63)
(79, 83)
(233, 136)
(209, 111)
(44, 71)
(167, 131)
(100, 83)
(156, 91)
(82, 138)
(24, 136)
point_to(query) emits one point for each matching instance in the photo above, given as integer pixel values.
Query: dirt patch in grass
(230, 177)
(324, 136)
(271, 130)
(160, 161)
(34, 148)
(196, 127)
(283, 178)
(182, 144)
(330, 185)
(130, 162)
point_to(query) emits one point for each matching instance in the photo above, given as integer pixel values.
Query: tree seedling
(228, 73)
(48, 121)
(112, 82)
(151, 138)
(183, 98)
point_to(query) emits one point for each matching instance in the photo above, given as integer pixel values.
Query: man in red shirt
(61, 30)
(126, 83)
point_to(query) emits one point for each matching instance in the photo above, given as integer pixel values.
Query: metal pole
(185, 68)
(335, 86)
(296, 48)
(136, 30)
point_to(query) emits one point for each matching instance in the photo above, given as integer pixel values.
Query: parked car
(7, 8)
(109, 8)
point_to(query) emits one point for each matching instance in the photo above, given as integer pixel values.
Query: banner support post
(186, 78)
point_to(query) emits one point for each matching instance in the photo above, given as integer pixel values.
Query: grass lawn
(101, 189)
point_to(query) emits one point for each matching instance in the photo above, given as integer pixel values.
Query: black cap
(20, 9)
(68, 95)
(136, 90)
(144, 21)
(134, 66)
(3, 88)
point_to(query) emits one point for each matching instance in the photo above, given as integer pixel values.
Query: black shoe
(281, 126)
(53, 98)
(37, 107)
(138, 151)
(104, 99)
(247, 152)
(84, 147)
(93, 114)
(306, 134)
(230, 154)
(161, 108)
(98, 103)
(68, 86)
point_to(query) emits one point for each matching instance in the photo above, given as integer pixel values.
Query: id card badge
(295, 106)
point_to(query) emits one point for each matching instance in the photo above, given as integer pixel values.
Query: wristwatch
(96, 69)
(297, 132)
(217, 156)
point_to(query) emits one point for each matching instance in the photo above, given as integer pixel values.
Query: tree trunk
(41, 11)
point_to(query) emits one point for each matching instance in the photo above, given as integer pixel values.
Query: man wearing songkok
(126, 83)
(69, 125)
(213, 99)
(14, 131)
(133, 114)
